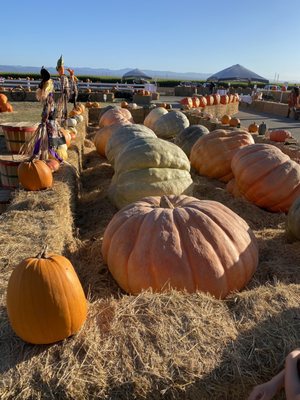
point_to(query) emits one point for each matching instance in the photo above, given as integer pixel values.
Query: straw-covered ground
(152, 346)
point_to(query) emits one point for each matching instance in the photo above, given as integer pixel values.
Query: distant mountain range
(109, 72)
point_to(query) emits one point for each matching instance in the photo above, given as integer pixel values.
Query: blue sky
(178, 35)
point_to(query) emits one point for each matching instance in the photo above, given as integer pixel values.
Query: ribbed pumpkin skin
(279, 135)
(35, 175)
(188, 137)
(102, 136)
(197, 245)
(122, 136)
(45, 300)
(149, 167)
(293, 221)
(153, 116)
(170, 125)
(266, 176)
(115, 116)
(211, 155)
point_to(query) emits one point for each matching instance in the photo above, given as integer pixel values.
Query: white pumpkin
(79, 118)
(153, 116)
(71, 122)
(133, 106)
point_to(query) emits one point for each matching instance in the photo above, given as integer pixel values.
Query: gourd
(188, 137)
(179, 242)
(279, 135)
(234, 122)
(153, 116)
(253, 128)
(35, 175)
(115, 116)
(292, 227)
(267, 177)
(71, 122)
(170, 125)
(149, 166)
(45, 300)
(102, 136)
(211, 155)
(225, 119)
(122, 136)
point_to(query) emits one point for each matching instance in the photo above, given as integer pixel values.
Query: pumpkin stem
(165, 202)
(43, 253)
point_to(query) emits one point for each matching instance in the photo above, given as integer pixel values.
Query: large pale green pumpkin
(170, 125)
(189, 136)
(293, 221)
(122, 136)
(149, 167)
(154, 115)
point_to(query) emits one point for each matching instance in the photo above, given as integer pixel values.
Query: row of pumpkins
(5, 105)
(168, 238)
(35, 174)
(208, 100)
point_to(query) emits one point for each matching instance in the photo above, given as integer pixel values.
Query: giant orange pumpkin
(116, 115)
(266, 176)
(102, 137)
(45, 300)
(35, 175)
(211, 155)
(179, 242)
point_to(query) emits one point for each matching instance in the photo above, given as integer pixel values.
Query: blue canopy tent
(237, 73)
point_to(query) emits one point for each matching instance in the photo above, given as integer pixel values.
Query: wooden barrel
(9, 170)
(5, 197)
(17, 133)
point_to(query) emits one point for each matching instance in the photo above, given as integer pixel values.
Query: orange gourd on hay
(279, 135)
(211, 155)
(53, 164)
(187, 101)
(35, 175)
(225, 119)
(224, 99)
(196, 102)
(218, 255)
(234, 122)
(203, 101)
(253, 128)
(217, 98)
(266, 176)
(210, 100)
(124, 104)
(45, 300)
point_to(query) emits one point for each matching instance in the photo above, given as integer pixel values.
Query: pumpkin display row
(208, 100)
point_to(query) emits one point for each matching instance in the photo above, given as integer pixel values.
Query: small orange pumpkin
(35, 175)
(187, 101)
(124, 104)
(203, 101)
(234, 122)
(3, 98)
(6, 107)
(253, 128)
(224, 99)
(225, 119)
(210, 100)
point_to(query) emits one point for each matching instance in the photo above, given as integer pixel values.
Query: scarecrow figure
(65, 92)
(74, 88)
(47, 137)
